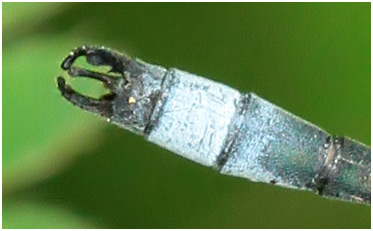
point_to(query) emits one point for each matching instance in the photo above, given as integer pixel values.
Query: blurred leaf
(31, 215)
(18, 13)
(36, 118)
(21, 19)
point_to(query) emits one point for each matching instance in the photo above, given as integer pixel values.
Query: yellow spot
(132, 100)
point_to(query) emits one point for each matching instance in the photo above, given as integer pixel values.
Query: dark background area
(64, 168)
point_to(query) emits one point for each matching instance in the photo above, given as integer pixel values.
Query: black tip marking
(95, 56)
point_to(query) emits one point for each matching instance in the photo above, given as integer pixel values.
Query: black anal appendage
(130, 102)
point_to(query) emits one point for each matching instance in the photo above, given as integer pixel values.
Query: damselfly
(210, 123)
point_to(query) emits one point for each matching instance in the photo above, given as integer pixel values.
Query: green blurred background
(64, 168)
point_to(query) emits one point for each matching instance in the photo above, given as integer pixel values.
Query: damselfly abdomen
(210, 123)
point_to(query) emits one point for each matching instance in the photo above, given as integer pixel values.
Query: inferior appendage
(96, 56)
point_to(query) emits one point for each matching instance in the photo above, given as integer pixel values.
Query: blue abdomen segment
(192, 117)
(274, 146)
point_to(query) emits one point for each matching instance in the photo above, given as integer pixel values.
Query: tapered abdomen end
(348, 175)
